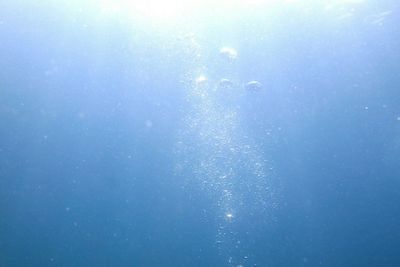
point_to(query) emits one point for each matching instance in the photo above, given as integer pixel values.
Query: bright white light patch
(167, 10)
(158, 8)
(172, 11)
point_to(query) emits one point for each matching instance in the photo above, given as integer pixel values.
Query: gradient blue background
(85, 182)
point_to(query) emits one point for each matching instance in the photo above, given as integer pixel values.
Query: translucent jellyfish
(379, 19)
(253, 86)
(228, 53)
(225, 84)
(201, 80)
(229, 216)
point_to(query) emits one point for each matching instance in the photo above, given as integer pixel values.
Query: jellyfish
(201, 80)
(253, 86)
(228, 53)
(225, 84)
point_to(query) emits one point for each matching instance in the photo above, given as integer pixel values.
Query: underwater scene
(199, 133)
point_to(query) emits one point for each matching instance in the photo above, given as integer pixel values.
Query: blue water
(119, 148)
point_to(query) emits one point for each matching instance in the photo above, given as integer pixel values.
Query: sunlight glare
(167, 10)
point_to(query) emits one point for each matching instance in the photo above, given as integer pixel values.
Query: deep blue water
(112, 154)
